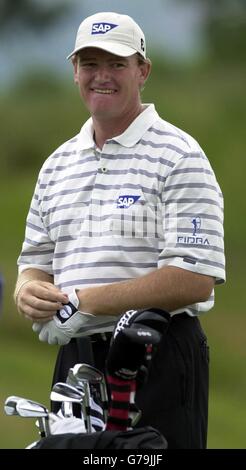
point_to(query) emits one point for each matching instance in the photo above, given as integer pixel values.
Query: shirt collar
(129, 137)
(85, 138)
(138, 127)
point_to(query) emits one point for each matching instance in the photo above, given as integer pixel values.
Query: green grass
(26, 365)
(26, 370)
(227, 418)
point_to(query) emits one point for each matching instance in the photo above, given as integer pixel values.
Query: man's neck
(107, 129)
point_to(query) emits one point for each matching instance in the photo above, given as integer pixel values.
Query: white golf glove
(69, 323)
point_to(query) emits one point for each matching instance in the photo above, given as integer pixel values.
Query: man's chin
(103, 113)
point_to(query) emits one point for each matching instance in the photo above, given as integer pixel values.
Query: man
(126, 215)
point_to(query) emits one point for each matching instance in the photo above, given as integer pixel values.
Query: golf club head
(10, 405)
(65, 392)
(81, 383)
(58, 397)
(87, 372)
(31, 409)
(72, 380)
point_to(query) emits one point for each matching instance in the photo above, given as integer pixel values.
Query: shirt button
(104, 170)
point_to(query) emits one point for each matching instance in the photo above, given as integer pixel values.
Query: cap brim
(116, 49)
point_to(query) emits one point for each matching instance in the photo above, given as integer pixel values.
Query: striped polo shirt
(149, 198)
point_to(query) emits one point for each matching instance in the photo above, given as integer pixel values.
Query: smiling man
(126, 215)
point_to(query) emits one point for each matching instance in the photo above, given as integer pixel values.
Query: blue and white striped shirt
(148, 199)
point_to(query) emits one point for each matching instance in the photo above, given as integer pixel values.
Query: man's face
(109, 85)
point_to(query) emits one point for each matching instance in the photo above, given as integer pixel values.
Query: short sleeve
(193, 218)
(37, 249)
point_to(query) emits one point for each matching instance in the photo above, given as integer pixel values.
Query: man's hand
(40, 300)
(64, 324)
(69, 323)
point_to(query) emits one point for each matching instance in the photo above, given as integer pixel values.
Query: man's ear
(145, 69)
(75, 69)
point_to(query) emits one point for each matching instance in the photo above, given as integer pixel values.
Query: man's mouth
(104, 91)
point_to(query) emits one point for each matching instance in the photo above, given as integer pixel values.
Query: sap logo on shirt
(102, 28)
(126, 201)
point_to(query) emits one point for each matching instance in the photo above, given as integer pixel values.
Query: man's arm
(35, 295)
(169, 288)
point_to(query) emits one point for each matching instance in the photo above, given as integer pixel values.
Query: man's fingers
(45, 291)
(35, 309)
(37, 315)
(39, 321)
(44, 305)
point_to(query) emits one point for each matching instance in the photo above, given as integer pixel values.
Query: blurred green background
(206, 97)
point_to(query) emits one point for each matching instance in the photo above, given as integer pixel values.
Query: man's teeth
(105, 91)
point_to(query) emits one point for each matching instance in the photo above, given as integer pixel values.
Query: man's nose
(103, 73)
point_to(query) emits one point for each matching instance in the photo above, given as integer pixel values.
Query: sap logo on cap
(126, 201)
(102, 28)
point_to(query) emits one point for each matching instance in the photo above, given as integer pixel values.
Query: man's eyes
(118, 65)
(88, 65)
(114, 65)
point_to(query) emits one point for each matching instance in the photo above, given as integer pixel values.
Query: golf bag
(131, 349)
(139, 438)
(111, 423)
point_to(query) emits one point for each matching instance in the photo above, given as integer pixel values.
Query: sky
(173, 28)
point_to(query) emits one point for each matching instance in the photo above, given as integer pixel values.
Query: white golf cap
(112, 32)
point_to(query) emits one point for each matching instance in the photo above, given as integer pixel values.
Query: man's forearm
(169, 288)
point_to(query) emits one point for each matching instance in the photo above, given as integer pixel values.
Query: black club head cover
(128, 362)
(129, 349)
(127, 354)
(131, 352)
(153, 318)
